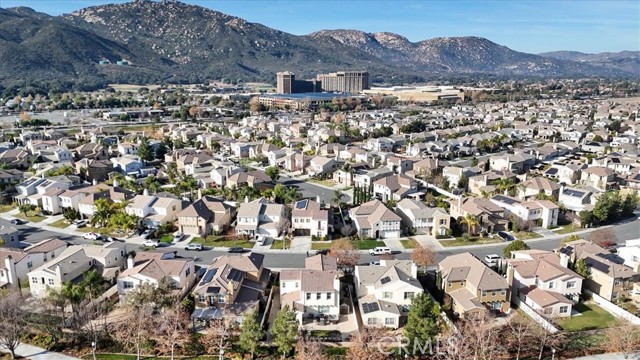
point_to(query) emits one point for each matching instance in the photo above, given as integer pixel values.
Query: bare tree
(520, 334)
(423, 256)
(623, 340)
(345, 253)
(220, 335)
(308, 349)
(134, 330)
(12, 323)
(174, 328)
(368, 344)
(477, 338)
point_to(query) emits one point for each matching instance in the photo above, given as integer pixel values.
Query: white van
(380, 250)
(261, 240)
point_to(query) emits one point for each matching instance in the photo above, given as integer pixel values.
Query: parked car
(178, 236)
(261, 240)
(492, 259)
(322, 252)
(80, 223)
(17, 222)
(236, 249)
(194, 247)
(380, 250)
(151, 243)
(374, 263)
(91, 236)
(146, 234)
(506, 236)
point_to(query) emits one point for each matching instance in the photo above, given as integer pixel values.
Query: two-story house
(599, 177)
(153, 210)
(312, 291)
(394, 187)
(542, 212)
(416, 214)
(16, 263)
(205, 216)
(374, 220)
(472, 286)
(543, 281)
(309, 218)
(531, 188)
(261, 217)
(385, 291)
(152, 268)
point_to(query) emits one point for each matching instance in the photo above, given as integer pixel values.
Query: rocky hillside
(628, 61)
(168, 41)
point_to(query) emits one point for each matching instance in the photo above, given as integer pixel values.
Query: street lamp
(553, 353)
(221, 354)
(93, 349)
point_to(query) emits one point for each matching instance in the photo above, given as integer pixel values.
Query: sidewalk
(36, 353)
(614, 356)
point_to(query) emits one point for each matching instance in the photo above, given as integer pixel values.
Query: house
(16, 158)
(543, 281)
(205, 216)
(364, 179)
(308, 218)
(473, 287)
(543, 212)
(575, 199)
(153, 210)
(536, 186)
(385, 291)
(94, 169)
(416, 214)
(74, 262)
(517, 163)
(312, 291)
(128, 164)
(152, 268)
(379, 144)
(491, 217)
(599, 177)
(16, 263)
(630, 254)
(394, 187)
(609, 278)
(261, 217)
(374, 220)
(127, 148)
(321, 165)
(91, 151)
(486, 183)
(255, 179)
(231, 282)
(9, 236)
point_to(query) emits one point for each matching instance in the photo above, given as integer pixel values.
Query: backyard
(219, 241)
(591, 317)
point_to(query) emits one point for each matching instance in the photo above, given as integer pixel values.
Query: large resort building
(341, 82)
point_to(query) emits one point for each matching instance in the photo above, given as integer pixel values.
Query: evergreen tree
(144, 150)
(582, 269)
(514, 246)
(285, 330)
(250, 334)
(423, 320)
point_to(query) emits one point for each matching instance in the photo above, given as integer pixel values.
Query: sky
(532, 26)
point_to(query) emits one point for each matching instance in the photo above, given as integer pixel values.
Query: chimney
(130, 262)
(246, 199)
(115, 183)
(564, 260)
(145, 192)
(94, 181)
(59, 272)
(12, 276)
(318, 199)
(199, 194)
(510, 275)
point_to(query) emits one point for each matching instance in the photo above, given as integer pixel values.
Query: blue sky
(524, 25)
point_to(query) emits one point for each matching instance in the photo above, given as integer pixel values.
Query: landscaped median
(469, 241)
(220, 241)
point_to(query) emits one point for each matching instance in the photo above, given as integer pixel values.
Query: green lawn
(566, 229)
(61, 224)
(526, 235)
(166, 238)
(410, 243)
(459, 241)
(592, 317)
(323, 182)
(277, 244)
(6, 208)
(32, 218)
(320, 245)
(217, 241)
(367, 244)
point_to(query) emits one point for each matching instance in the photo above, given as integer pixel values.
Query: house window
(221, 298)
(387, 295)
(296, 285)
(564, 309)
(323, 309)
(284, 285)
(571, 284)
(50, 281)
(372, 321)
(493, 293)
(389, 321)
(127, 284)
(617, 282)
(318, 296)
(34, 280)
(448, 284)
(443, 221)
(186, 273)
(484, 292)
(328, 296)
(308, 296)
(201, 298)
(552, 285)
(548, 311)
(503, 292)
(408, 295)
(29, 265)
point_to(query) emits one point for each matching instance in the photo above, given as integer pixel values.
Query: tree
(623, 340)
(250, 333)
(272, 172)
(520, 334)
(346, 254)
(220, 335)
(308, 349)
(423, 256)
(102, 213)
(629, 204)
(56, 300)
(70, 214)
(603, 237)
(144, 150)
(74, 294)
(174, 328)
(471, 221)
(25, 208)
(93, 283)
(475, 338)
(581, 268)
(514, 246)
(608, 207)
(586, 218)
(367, 344)
(160, 151)
(423, 321)
(284, 331)
(13, 324)
(134, 330)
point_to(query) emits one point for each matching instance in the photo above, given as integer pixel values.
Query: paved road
(312, 191)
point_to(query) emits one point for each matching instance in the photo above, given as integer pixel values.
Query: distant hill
(169, 41)
(627, 61)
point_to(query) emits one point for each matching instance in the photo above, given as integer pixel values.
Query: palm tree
(75, 294)
(102, 213)
(505, 185)
(471, 221)
(93, 283)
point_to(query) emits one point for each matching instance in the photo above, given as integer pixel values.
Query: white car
(151, 243)
(380, 250)
(261, 240)
(177, 237)
(492, 259)
(91, 236)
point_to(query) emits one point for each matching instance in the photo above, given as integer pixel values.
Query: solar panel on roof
(208, 276)
(385, 280)
(301, 204)
(235, 275)
(370, 307)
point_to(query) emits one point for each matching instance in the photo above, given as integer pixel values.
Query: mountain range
(169, 41)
